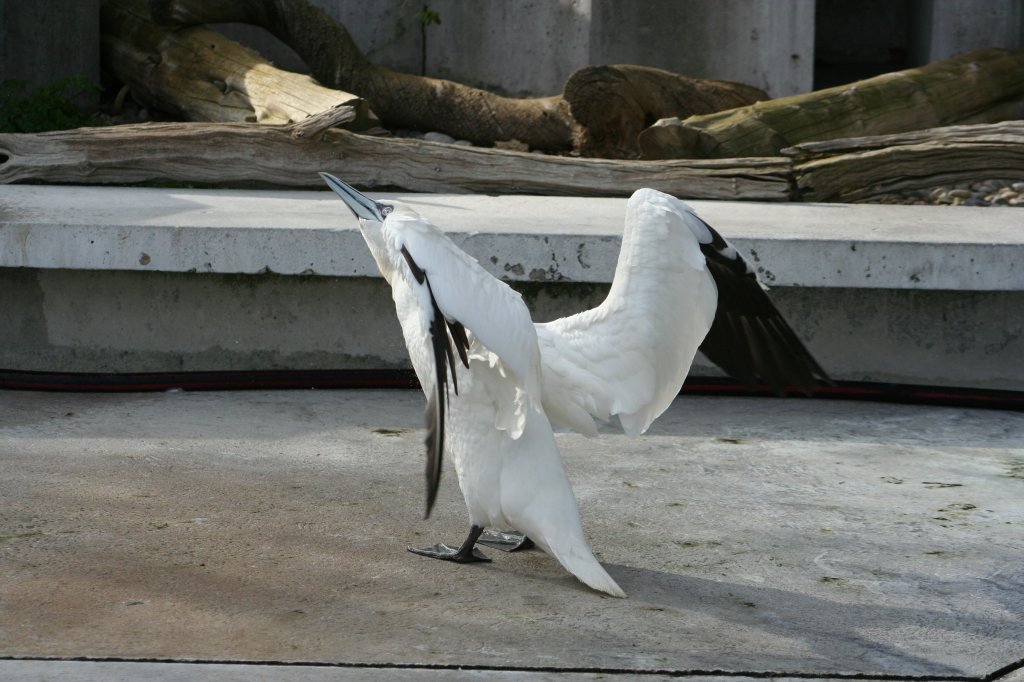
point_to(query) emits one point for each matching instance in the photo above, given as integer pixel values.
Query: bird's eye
(386, 210)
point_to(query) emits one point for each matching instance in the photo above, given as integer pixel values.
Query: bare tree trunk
(200, 75)
(615, 103)
(940, 93)
(612, 104)
(401, 100)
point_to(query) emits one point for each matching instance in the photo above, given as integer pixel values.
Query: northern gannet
(495, 381)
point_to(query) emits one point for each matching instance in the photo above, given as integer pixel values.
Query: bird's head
(362, 206)
(373, 216)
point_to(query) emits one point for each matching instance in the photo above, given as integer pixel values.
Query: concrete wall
(148, 280)
(41, 41)
(525, 47)
(120, 321)
(944, 28)
(766, 44)
(532, 46)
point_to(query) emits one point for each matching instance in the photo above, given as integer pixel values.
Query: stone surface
(753, 537)
(95, 321)
(520, 238)
(89, 671)
(158, 280)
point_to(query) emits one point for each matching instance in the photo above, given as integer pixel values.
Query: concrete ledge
(159, 280)
(520, 238)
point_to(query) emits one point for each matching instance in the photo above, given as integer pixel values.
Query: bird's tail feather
(582, 564)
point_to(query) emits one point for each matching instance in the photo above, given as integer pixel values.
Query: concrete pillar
(518, 48)
(43, 41)
(766, 44)
(945, 28)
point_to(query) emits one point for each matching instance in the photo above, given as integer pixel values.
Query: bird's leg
(466, 554)
(506, 541)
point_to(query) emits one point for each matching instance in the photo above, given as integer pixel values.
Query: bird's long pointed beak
(361, 205)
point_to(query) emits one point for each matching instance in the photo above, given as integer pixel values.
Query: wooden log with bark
(976, 87)
(201, 75)
(401, 100)
(864, 168)
(600, 114)
(252, 155)
(613, 104)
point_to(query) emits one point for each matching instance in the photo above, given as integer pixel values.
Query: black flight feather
(444, 358)
(435, 445)
(749, 338)
(461, 342)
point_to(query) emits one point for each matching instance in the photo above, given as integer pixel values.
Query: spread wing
(468, 295)
(447, 304)
(678, 286)
(629, 356)
(749, 338)
(459, 305)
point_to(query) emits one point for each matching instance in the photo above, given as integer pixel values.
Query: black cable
(111, 382)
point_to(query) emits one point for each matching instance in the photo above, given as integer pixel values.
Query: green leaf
(51, 107)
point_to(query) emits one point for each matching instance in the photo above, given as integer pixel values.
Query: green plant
(426, 17)
(51, 107)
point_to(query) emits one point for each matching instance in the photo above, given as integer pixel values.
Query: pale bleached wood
(238, 154)
(1005, 131)
(201, 75)
(402, 100)
(860, 168)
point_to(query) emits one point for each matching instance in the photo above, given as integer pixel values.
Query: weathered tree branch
(860, 168)
(613, 104)
(401, 100)
(240, 155)
(201, 75)
(938, 94)
(602, 110)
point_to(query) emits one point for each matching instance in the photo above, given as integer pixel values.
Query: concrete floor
(755, 537)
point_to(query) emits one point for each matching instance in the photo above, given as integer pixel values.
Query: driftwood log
(614, 104)
(401, 100)
(861, 168)
(938, 94)
(249, 155)
(201, 75)
(600, 114)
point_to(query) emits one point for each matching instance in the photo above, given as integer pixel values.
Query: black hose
(406, 379)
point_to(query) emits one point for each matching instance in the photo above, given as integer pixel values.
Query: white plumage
(627, 358)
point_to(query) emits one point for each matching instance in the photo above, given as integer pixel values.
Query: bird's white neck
(373, 235)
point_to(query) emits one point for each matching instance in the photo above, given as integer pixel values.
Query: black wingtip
(435, 447)
(442, 333)
(749, 338)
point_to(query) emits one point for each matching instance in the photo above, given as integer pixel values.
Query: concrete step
(129, 279)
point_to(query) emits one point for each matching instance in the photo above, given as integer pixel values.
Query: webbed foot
(445, 553)
(466, 554)
(505, 541)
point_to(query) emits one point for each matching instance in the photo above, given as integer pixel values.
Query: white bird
(677, 285)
